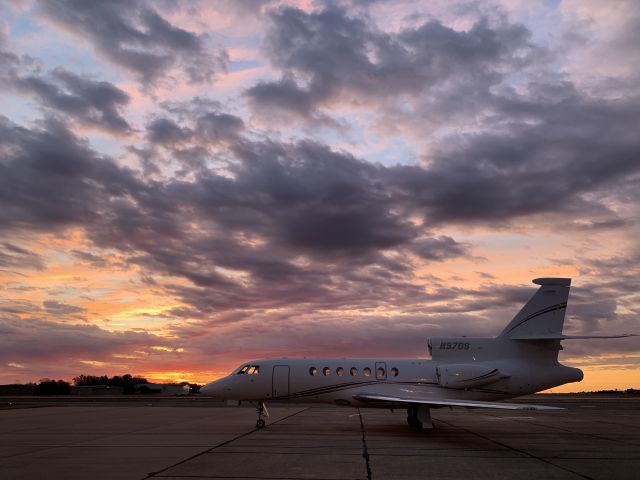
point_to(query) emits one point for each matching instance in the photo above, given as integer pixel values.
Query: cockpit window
(249, 370)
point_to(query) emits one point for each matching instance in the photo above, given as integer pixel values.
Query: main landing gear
(261, 410)
(420, 418)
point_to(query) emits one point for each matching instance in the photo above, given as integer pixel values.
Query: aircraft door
(280, 381)
(381, 371)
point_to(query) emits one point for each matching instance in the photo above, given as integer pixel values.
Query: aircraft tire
(422, 429)
(261, 423)
(412, 421)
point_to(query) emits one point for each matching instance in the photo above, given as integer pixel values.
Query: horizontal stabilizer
(554, 336)
(415, 400)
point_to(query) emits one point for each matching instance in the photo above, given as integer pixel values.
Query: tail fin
(543, 315)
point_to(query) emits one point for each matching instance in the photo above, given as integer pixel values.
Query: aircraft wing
(395, 400)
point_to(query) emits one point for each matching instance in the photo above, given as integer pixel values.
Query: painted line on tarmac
(517, 450)
(227, 442)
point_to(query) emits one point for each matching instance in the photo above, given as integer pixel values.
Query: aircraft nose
(217, 388)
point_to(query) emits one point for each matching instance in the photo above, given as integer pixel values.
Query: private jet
(463, 371)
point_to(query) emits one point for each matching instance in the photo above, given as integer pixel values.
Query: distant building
(162, 389)
(96, 390)
(17, 390)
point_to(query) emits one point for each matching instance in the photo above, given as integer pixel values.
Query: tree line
(127, 382)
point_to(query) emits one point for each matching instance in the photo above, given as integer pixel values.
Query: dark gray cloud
(37, 340)
(438, 248)
(97, 261)
(284, 94)
(8, 60)
(50, 179)
(208, 128)
(214, 127)
(576, 147)
(88, 102)
(327, 55)
(132, 35)
(58, 309)
(165, 131)
(306, 196)
(61, 92)
(13, 256)
(195, 135)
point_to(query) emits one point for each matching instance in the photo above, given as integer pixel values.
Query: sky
(185, 186)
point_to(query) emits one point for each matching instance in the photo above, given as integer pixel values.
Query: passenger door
(280, 381)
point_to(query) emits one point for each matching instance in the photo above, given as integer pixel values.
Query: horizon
(187, 186)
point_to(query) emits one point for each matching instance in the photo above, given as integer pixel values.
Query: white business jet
(463, 372)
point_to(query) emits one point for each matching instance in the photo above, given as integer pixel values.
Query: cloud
(265, 240)
(284, 94)
(13, 256)
(51, 179)
(97, 261)
(328, 56)
(285, 221)
(55, 308)
(132, 35)
(576, 147)
(438, 248)
(165, 131)
(206, 129)
(87, 102)
(45, 341)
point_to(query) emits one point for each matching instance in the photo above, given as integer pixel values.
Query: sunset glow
(187, 186)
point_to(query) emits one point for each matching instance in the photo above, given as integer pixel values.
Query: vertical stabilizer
(543, 315)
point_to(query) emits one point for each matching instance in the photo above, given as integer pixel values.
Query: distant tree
(51, 387)
(194, 388)
(84, 380)
(126, 381)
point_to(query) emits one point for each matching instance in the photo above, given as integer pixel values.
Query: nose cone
(217, 389)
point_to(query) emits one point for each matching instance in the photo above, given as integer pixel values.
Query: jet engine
(465, 375)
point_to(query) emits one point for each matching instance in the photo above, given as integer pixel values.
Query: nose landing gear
(261, 410)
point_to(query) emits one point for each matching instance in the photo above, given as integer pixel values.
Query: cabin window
(340, 371)
(366, 372)
(313, 371)
(380, 373)
(326, 371)
(353, 371)
(394, 372)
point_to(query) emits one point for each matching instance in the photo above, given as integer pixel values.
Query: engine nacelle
(466, 375)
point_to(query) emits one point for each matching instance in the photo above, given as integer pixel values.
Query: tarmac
(179, 438)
